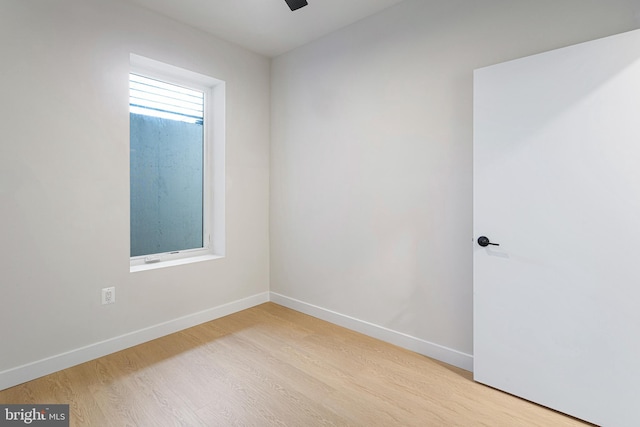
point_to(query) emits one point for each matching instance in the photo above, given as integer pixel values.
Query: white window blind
(160, 99)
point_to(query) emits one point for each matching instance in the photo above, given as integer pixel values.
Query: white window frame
(213, 165)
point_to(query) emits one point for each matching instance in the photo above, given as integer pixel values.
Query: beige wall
(370, 166)
(64, 176)
(371, 156)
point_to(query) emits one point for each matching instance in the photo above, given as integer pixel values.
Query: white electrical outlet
(108, 295)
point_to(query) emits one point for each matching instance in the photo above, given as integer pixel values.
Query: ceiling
(267, 27)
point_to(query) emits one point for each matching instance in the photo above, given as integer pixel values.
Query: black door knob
(484, 241)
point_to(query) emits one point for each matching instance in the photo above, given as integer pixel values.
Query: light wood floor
(271, 366)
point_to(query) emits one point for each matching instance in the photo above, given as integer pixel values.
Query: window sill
(172, 263)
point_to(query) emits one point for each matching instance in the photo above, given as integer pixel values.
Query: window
(176, 171)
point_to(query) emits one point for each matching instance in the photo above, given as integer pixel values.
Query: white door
(557, 186)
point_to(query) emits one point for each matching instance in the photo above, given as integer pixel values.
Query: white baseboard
(435, 351)
(31, 371)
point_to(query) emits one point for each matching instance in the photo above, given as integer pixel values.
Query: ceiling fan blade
(296, 4)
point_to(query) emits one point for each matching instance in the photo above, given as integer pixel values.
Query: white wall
(64, 176)
(371, 158)
(371, 166)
